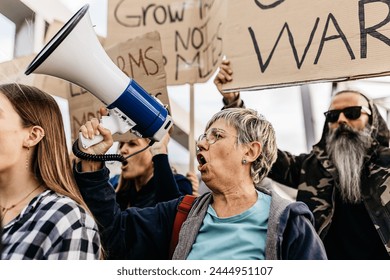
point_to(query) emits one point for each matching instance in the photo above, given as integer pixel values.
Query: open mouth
(124, 164)
(201, 159)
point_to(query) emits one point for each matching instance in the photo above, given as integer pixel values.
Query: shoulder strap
(183, 208)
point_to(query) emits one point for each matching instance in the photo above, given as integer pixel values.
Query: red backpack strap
(183, 208)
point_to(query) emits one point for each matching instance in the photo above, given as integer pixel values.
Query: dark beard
(347, 148)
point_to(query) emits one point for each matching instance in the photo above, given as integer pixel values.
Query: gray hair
(251, 127)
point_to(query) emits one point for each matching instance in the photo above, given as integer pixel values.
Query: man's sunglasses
(351, 113)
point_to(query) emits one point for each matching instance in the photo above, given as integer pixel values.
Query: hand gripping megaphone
(76, 55)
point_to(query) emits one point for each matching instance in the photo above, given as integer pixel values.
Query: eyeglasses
(213, 135)
(351, 113)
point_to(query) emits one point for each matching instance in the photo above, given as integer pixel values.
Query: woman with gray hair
(238, 219)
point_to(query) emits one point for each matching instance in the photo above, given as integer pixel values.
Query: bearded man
(345, 179)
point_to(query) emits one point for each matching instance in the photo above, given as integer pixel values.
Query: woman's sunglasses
(351, 113)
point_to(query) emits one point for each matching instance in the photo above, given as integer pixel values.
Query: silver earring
(243, 161)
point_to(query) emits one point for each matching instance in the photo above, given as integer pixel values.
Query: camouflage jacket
(314, 176)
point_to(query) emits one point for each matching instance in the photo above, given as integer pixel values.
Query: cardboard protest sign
(191, 33)
(12, 71)
(282, 43)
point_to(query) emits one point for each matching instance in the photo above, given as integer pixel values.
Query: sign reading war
(190, 30)
(290, 42)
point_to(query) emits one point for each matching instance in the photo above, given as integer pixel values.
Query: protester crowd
(55, 208)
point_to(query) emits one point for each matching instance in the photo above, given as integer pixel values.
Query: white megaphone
(76, 55)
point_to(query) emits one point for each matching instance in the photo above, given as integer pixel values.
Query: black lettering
(138, 63)
(196, 37)
(340, 35)
(197, 43)
(218, 38)
(160, 14)
(131, 21)
(179, 37)
(144, 11)
(299, 62)
(206, 68)
(165, 60)
(162, 19)
(152, 61)
(177, 17)
(291, 38)
(269, 6)
(372, 31)
(205, 6)
(163, 13)
(143, 57)
(195, 60)
(76, 90)
(212, 51)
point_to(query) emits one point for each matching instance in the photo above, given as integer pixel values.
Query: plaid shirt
(51, 227)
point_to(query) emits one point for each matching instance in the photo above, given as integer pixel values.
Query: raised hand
(224, 76)
(194, 181)
(89, 130)
(160, 147)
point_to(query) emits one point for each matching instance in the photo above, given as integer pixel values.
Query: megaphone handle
(115, 122)
(86, 143)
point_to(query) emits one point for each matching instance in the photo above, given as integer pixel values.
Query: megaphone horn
(76, 55)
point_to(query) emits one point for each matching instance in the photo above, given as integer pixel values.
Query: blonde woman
(42, 213)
